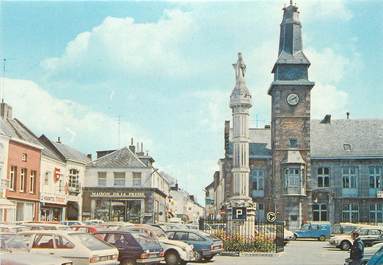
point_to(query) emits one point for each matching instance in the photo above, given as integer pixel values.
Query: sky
(98, 73)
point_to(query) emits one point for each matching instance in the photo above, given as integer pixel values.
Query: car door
(43, 244)
(197, 241)
(64, 247)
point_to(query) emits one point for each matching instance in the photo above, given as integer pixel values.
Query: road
(296, 253)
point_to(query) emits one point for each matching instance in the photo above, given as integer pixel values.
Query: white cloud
(77, 125)
(121, 46)
(327, 99)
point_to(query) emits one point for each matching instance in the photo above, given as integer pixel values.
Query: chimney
(141, 150)
(59, 140)
(348, 115)
(5, 111)
(142, 147)
(267, 126)
(326, 119)
(89, 156)
(131, 146)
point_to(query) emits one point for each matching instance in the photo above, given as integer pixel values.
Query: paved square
(296, 253)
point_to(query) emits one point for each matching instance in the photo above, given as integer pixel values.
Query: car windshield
(92, 242)
(145, 241)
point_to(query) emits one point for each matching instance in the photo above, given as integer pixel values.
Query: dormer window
(347, 147)
(293, 142)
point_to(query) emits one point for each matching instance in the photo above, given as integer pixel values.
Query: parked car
(370, 251)
(133, 248)
(287, 236)
(8, 258)
(90, 229)
(72, 222)
(93, 222)
(368, 234)
(320, 231)
(175, 252)
(11, 228)
(45, 226)
(81, 248)
(205, 246)
(377, 259)
(343, 228)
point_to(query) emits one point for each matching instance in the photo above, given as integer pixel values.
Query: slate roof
(122, 158)
(365, 137)
(70, 153)
(327, 139)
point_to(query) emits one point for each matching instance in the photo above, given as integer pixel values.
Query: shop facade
(135, 205)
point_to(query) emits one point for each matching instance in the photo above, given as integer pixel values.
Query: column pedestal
(241, 217)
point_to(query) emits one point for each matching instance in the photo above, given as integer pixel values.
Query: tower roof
(290, 39)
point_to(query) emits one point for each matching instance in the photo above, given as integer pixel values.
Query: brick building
(304, 169)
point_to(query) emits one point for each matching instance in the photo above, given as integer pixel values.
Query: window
(349, 176)
(320, 212)
(32, 180)
(46, 179)
(101, 180)
(350, 212)
(181, 236)
(24, 157)
(12, 175)
(136, 179)
(376, 213)
(19, 242)
(73, 184)
(23, 174)
(375, 174)
(43, 241)
(119, 179)
(323, 177)
(194, 237)
(62, 242)
(257, 176)
(260, 206)
(61, 185)
(292, 177)
(293, 142)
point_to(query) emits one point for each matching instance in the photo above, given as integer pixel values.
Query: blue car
(320, 231)
(205, 246)
(377, 259)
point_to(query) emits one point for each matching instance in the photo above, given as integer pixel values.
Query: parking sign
(239, 213)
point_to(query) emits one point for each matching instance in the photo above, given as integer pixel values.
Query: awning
(6, 204)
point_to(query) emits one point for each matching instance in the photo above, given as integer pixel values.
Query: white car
(44, 226)
(8, 258)
(370, 251)
(81, 248)
(175, 252)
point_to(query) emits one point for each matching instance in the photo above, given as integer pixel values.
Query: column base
(241, 224)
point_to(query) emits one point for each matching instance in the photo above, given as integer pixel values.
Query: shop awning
(6, 204)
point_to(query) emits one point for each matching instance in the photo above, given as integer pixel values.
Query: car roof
(113, 232)
(59, 232)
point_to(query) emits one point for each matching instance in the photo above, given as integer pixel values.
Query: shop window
(23, 173)
(350, 177)
(32, 181)
(119, 179)
(323, 177)
(375, 174)
(136, 179)
(12, 176)
(101, 179)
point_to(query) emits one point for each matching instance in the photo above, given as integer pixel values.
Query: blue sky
(165, 69)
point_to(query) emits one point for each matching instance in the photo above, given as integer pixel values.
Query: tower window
(293, 142)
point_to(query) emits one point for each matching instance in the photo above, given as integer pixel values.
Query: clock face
(292, 99)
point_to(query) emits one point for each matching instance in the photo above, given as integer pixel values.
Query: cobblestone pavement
(296, 253)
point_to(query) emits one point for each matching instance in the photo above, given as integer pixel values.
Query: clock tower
(290, 126)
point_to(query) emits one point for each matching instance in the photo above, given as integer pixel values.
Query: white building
(123, 185)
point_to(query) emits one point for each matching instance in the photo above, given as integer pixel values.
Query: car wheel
(208, 258)
(294, 237)
(345, 245)
(198, 256)
(128, 262)
(172, 258)
(322, 238)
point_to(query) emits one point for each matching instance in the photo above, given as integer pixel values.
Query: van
(320, 231)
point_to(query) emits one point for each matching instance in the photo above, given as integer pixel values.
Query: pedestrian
(357, 249)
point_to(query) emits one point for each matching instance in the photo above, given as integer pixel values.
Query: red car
(90, 229)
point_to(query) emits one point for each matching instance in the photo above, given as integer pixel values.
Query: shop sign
(118, 194)
(52, 199)
(57, 174)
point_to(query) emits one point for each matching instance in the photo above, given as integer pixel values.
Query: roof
(122, 158)
(70, 153)
(365, 138)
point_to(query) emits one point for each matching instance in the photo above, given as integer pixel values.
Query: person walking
(357, 249)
